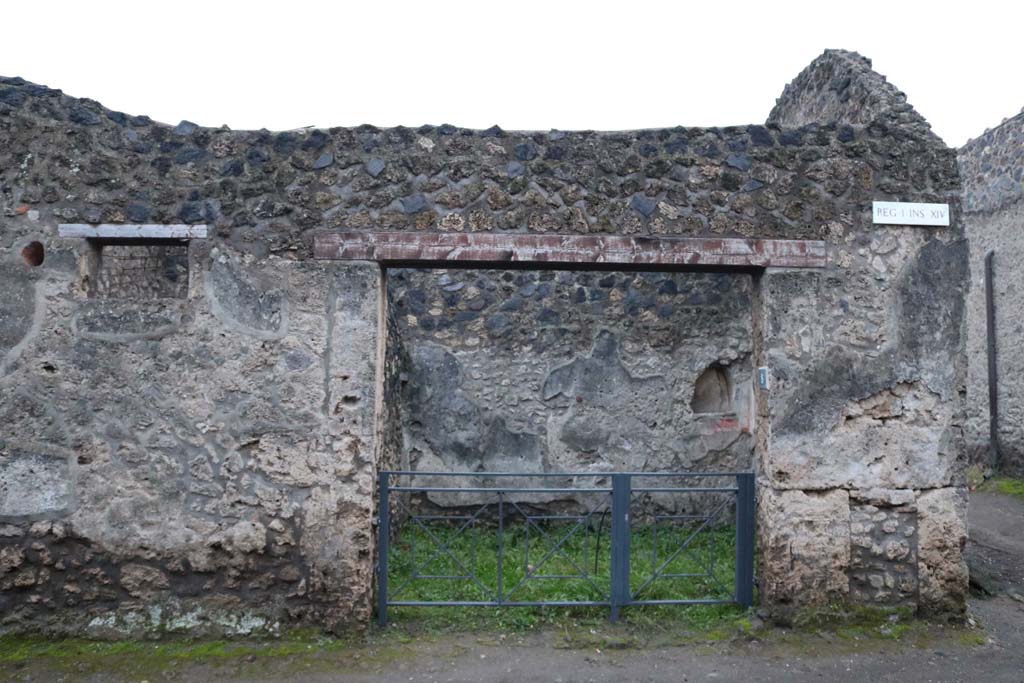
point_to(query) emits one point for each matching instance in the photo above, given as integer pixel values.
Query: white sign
(910, 213)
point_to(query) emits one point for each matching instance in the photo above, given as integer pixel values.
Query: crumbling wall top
(841, 87)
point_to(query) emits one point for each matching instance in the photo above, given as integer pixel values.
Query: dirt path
(925, 654)
(469, 659)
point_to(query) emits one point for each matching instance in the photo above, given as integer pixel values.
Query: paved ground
(996, 549)
(924, 654)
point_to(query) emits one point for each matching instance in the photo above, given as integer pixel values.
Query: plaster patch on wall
(464, 436)
(110, 321)
(21, 317)
(243, 303)
(34, 483)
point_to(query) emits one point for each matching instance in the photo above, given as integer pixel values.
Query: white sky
(523, 65)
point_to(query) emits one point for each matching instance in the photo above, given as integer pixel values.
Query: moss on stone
(141, 656)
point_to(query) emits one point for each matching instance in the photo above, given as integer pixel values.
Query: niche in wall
(712, 392)
(147, 270)
(137, 262)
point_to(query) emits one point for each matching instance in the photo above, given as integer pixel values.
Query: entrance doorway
(543, 391)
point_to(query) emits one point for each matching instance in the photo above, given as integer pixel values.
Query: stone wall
(196, 464)
(208, 460)
(992, 166)
(544, 371)
(69, 160)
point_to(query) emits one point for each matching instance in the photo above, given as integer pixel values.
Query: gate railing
(438, 531)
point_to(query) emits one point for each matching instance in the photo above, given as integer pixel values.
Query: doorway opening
(525, 396)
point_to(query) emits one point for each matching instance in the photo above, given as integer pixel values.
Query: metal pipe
(993, 374)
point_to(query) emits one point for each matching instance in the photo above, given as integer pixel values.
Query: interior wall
(541, 371)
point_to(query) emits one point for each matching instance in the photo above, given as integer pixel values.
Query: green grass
(533, 552)
(20, 648)
(1007, 486)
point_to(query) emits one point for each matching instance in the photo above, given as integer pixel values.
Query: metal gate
(564, 539)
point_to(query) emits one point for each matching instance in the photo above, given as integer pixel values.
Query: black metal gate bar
(745, 539)
(620, 544)
(621, 491)
(383, 543)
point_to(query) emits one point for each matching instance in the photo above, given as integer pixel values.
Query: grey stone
(233, 167)
(189, 155)
(12, 97)
(323, 161)
(643, 205)
(526, 151)
(185, 128)
(257, 155)
(138, 212)
(738, 161)
(414, 203)
(192, 212)
(84, 116)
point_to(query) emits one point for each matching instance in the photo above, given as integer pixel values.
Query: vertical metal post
(745, 538)
(383, 543)
(501, 546)
(993, 371)
(621, 494)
